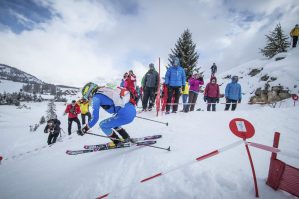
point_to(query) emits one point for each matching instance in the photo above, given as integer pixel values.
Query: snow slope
(31, 169)
(50, 173)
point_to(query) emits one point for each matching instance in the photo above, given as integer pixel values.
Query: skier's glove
(205, 98)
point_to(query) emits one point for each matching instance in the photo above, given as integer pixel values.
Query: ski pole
(166, 123)
(157, 147)
(104, 136)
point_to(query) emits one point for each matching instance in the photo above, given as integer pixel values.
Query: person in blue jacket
(114, 101)
(175, 80)
(233, 94)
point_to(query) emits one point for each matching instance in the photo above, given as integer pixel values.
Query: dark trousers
(52, 138)
(234, 104)
(149, 94)
(70, 121)
(211, 102)
(295, 39)
(176, 92)
(83, 117)
(192, 100)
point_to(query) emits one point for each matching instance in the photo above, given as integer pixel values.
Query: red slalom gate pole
(252, 169)
(203, 157)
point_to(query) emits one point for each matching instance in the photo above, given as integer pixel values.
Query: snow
(31, 169)
(10, 86)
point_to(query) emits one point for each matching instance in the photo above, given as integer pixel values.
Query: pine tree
(277, 42)
(185, 50)
(51, 112)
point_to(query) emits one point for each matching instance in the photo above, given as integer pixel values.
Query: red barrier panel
(281, 175)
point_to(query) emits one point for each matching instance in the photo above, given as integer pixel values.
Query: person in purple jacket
(195, 82)
(211, 94)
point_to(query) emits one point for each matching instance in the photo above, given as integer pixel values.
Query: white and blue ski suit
(124, 113)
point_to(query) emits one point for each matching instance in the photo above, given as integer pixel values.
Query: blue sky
(73, 42)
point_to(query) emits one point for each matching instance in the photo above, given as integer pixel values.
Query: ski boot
(123, 133)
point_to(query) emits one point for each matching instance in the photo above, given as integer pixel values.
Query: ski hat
(151, 65)
(89, 89)
(176, 61)
(213, 78)
(235, 78)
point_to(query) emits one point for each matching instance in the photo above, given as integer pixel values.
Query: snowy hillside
(11, 73)
(281, 70)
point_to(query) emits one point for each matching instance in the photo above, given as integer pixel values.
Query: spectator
(150, 85)
(84, 107)
(294, 34)
(212, 94)
(213, 70)
(185, 95)
(73, 110)
(175, 80)
(53, 128)
(195, 82)
(233, 94)
(123, 80)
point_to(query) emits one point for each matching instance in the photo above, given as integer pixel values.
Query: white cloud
(88, 39)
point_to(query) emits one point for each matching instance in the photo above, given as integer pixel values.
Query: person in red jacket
(211, 94)
(73, 111)
(130, 83)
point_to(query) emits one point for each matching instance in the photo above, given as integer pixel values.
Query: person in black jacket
(53, 128)
(150, 86)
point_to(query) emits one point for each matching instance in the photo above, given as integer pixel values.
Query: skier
(150, 85)
(213, 70)
(212, 94)
(114, 101)
(294, 34)
(84, 107)
(73, 110)
(53, 128)
(175, 79)
(233, 93)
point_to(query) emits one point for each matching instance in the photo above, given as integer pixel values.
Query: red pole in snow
(158, 93)
(252, 169)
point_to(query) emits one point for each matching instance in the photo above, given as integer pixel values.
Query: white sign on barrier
(241, 126)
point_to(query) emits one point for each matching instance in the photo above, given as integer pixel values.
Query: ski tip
(168, 149)
(166, 123)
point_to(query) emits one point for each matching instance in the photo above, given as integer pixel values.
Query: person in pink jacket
(195, 82)
(211, 94)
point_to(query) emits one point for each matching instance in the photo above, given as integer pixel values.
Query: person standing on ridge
(213, 70)
(294, 34)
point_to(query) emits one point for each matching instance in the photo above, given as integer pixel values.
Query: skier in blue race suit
(114, 101)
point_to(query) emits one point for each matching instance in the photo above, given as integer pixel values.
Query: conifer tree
(277, 42)
(51, 112)
(185, 50)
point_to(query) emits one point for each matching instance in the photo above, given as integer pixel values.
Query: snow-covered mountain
(13, 79)
(16, 75)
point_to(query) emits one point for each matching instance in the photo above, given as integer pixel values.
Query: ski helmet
(89, 89)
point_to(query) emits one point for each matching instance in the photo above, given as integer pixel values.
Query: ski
(146, 138)
(103, 147)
